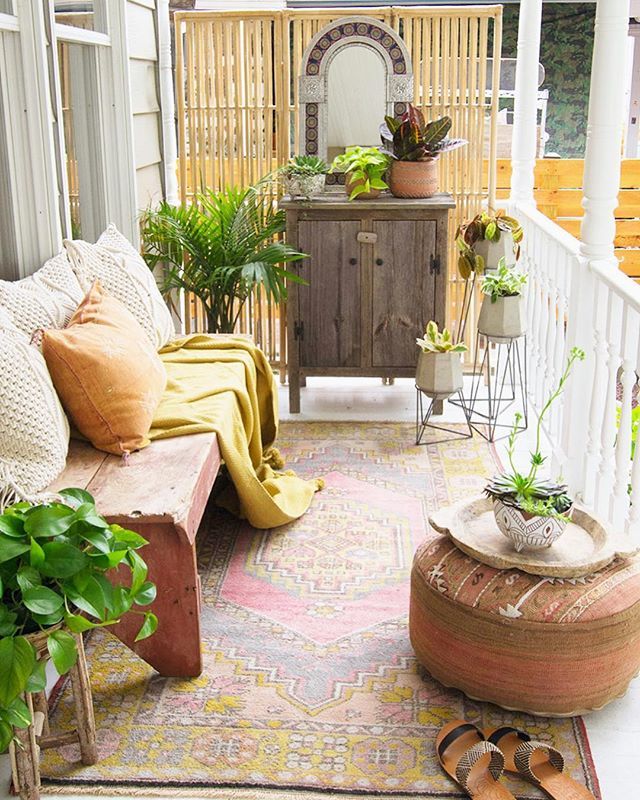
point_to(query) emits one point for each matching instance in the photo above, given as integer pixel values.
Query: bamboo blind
(238, 111)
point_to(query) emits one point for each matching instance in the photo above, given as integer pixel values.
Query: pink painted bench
(162, 495)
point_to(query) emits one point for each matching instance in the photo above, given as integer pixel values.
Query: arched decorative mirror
(354, 71)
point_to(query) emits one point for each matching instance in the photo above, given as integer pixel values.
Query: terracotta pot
(528, 531)
(492, 252)
(350, 185)
(439, 375)
(414, 178)
(503, 319)
(303, 185)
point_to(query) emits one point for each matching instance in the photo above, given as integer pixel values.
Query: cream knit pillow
(34, 433)
(123, 273)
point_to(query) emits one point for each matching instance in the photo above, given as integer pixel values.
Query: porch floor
(613, 732)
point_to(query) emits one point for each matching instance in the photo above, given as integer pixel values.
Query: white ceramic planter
(439, 375)
(503, 319)
(526, 531)
(303, 186)
(492, 252)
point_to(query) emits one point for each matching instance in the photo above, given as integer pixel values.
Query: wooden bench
(161, 494)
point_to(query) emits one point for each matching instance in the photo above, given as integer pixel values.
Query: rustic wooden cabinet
(376, 273)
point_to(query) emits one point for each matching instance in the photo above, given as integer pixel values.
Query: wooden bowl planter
(350, 184)
(303, 185)
(439, 375)
(502, 318)
(414, 178)
(528, 531)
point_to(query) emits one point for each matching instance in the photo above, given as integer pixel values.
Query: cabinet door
(403, 289)
(329, 307)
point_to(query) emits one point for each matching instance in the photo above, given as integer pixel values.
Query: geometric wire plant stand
(504, 362)
(423, 418)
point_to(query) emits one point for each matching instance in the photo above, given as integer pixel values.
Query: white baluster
(620, 499)
(606, 476)
(593, 457)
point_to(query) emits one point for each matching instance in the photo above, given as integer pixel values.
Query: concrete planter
(303, 185)
(503, 319)
(439, 375)
(492, 252)
(414, 178)
(527, 531)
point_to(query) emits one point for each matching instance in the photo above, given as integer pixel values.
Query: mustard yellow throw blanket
(226, 385)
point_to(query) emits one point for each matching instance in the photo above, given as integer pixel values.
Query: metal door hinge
(434, 267)
(298, 331)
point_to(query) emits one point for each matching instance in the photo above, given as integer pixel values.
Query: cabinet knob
(353, 261)
(379, 262)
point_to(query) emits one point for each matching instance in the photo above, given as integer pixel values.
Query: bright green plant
(365, 167)
(54, 565)
(436, 341)
(219, 248)
(503, 282)
(410, 138)
(304, 167)
(543, 498)
(484, 226)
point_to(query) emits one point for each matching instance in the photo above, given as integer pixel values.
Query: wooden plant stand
(25, 756)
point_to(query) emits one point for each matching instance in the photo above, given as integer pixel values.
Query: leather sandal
(537, 762)
(474, 763)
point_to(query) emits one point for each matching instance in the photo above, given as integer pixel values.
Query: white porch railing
(592, 305)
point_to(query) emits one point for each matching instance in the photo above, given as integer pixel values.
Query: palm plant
(219, 248)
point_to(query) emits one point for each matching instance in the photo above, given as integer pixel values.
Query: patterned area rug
(310, 684)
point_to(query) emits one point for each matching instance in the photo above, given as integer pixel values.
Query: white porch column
(588, 447)
(604, 130)
(523, 148)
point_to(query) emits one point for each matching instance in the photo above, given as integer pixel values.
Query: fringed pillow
(34, 433)
(123, 273)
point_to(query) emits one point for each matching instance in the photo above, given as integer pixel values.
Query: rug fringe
(225, 793)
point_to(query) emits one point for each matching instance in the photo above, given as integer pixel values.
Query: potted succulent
(303, 176)
(439, 370)
(414, 147)
(502, 314)
(364, 169)
(485, 239)
(532, 513)
(56, 562)
(219, 248)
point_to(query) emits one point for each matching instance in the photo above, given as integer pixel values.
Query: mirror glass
(355, 98)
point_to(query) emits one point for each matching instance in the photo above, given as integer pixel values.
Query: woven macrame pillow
(123, 273)
(47, 299)
(34, 433)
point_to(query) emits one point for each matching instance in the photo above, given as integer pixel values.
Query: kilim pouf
(551, 646)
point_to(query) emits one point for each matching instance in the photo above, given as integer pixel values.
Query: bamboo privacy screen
(237, 103)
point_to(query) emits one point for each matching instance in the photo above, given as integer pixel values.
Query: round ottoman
(551, 646)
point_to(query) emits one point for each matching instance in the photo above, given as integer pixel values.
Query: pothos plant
(55, 563)
(503, 282)
(365, 168)
(525, 490)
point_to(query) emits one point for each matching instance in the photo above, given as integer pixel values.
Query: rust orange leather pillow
(106, 372)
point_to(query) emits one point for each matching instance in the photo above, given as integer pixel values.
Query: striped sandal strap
(471, 757)
(522, 758)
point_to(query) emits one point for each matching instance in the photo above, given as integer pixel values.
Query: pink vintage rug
(310, 685)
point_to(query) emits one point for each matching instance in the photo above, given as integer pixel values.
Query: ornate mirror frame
(313, 80)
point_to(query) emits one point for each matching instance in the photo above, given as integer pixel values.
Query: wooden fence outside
(558, 192)
(237, 106)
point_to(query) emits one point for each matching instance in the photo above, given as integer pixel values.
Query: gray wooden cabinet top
(338, 201)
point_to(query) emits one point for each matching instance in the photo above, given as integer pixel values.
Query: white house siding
(145, 104)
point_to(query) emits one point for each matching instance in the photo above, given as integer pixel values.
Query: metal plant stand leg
(505, 367)
(423, 419)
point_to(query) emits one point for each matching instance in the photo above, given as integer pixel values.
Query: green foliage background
(565, 51)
